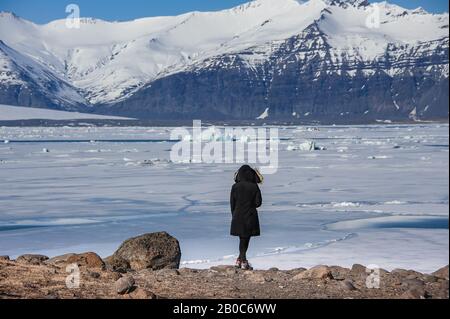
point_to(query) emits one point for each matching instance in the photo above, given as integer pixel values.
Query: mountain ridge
(193, 61)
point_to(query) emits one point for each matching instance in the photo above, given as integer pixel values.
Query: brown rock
(413, 283)
(255, 277)
(153, 251)
(89, 260)
(4, 258)
(384, 272)
(211, 273)
(442, 273)
(415, 293)
(117, 264)
(296, 271)
(140, 293)
(166, 272)
(231, 271)
(429, 278)
(124, 285)
(59, 260)
(339, 273)
(32, 259)
(347, 285)
(358, 270)
(116, 276)
(223, 268)
(318, 272)
(407, 274)
(399, 271)
(94, 275)
(187, 271)
(444, 288)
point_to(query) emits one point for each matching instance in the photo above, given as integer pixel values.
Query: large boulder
(317, 272)
(358, 269)
(124, 285)
(255, 277)
(32, 259)
(339, 273)
(117, 264)
(59, 260)
(150, 251)
(414, 293)
(89, 260)
(442, 273)
(347, 285)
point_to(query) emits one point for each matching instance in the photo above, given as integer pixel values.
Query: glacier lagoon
(374, 194)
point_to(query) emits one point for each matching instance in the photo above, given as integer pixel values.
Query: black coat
(245, 198)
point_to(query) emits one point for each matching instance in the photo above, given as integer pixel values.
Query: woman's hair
(247, 174)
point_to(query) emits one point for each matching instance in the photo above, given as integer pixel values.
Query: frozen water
(14, 113)
(377, 195)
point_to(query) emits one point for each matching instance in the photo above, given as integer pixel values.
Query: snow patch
(14, 113)
(264, 115)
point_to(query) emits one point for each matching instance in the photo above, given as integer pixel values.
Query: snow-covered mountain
(26, 82)
(282, 58)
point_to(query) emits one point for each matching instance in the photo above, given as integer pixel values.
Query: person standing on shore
(245, 198)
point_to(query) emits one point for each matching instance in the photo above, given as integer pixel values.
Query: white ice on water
(14, 113)
(335, 206)
(264, 115)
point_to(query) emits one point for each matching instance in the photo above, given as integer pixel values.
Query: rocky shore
(147, 267)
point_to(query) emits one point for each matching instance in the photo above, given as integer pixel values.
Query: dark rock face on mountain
(301, 80)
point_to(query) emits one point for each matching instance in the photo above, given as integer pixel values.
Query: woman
(245, 198)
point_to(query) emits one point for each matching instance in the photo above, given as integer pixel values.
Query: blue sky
(42, 11)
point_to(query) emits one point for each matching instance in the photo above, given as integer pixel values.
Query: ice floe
(307, 146)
